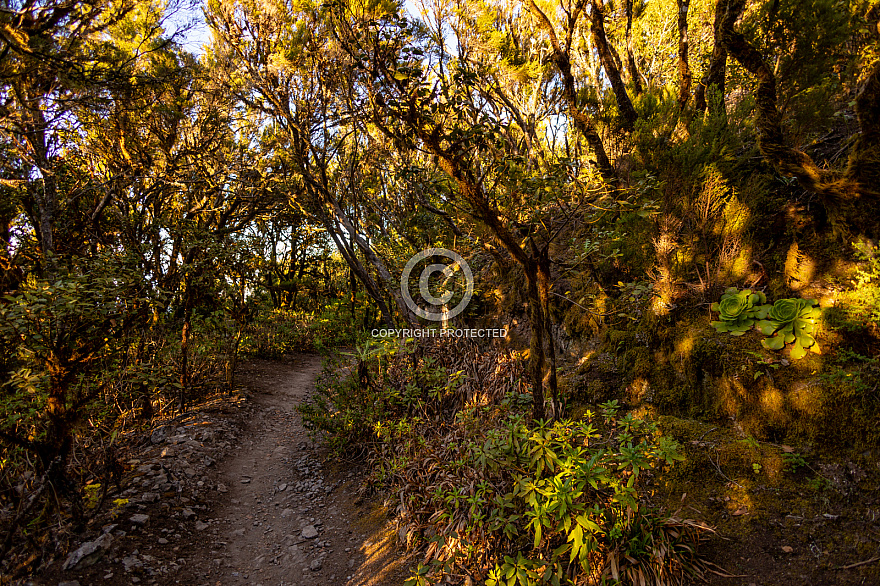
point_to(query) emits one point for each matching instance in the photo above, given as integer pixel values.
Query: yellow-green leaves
(787, 321)
(791, 321)
(738, 311)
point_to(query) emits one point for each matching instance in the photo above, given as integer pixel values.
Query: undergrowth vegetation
(95, 356)
(620, 177)
(481, 490)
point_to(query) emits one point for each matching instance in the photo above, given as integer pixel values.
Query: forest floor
(236, 492)
(251, 501)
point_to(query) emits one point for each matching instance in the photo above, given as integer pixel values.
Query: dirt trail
(233, 493)
(282, 518)
(285, 519)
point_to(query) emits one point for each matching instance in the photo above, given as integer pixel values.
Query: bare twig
(723, 475)
(33, 500)
(857, 564)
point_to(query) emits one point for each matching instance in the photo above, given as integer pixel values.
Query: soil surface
(268, 512)
(236, 492)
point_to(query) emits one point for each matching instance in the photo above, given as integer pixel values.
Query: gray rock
(150, 497)
(309, 532)
(287, 513)
(89, 552)
(297, 555)
(73, 583)
(131, 563)
(139, 519)
(316, 564)
(159, 435)
(201, 526)
(188, 513)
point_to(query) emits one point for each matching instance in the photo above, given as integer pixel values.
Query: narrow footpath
(235, 495)
(288, 521)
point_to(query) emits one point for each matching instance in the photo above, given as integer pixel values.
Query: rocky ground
(237, 493)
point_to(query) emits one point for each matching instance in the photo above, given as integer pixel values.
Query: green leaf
(797, 351)
(805, 340)
(774, 343)
(766, 327)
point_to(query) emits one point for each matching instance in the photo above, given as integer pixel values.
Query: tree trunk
(846, 195)
(184, 346)
(713, 81)
(58, 439)
(484, 212)
(634, 75)
(600, 39)
(544, 284)
(232, 359)
(684, 68)
(582, 121)
(370, 285)
(536, 342)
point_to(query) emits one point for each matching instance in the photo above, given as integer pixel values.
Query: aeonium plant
(739, 310)
(791, 320)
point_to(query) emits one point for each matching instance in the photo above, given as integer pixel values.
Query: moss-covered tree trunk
(600, 40)
(845, 195)
(713, 81)
(684, 68)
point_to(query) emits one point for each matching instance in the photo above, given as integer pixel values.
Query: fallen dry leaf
(787, 548)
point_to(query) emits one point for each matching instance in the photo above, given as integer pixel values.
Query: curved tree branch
(840, 192)
(684, 68)
(788, 160)
(582, 121)
(600, 39)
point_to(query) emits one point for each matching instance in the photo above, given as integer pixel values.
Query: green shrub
(858, 308)
(487, 492)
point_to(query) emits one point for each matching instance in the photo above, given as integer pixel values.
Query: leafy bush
(791, 320)
(274, 333)
(858, 308)
(490, 493)
(739, 310)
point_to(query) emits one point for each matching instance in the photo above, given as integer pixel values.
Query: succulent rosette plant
(739, 310)
(791, 320)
